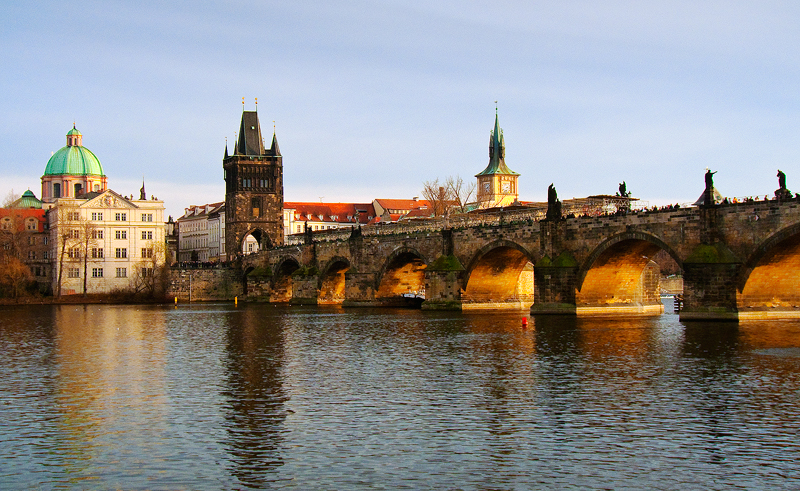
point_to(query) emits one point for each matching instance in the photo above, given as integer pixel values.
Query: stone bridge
(738, 260)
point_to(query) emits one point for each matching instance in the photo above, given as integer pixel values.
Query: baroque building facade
(99, 241)
(253, 190)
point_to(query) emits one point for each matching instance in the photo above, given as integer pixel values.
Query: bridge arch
(499, 275)
(403, 271)
(770, 276)
(332, 280)
(282, 279)
(621, 273)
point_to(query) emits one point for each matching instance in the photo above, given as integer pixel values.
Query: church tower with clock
(497, 184)
(253, 189)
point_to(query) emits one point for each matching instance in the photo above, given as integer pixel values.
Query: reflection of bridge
(738, 260)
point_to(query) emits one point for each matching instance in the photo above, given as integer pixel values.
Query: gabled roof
(105, 199)
(197, 211)
(402, 204)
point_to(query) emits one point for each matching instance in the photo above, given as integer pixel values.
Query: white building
(201, 233)
(106, 242)
(99, 240)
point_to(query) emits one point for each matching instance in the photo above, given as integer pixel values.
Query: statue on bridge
(623, 190)
(553, 204)
(708, 194)
(782, 192)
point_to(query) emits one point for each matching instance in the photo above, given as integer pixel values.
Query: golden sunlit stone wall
(775, 282)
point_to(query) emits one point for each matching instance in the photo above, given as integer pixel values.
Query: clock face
(506, 187)
(486, 187)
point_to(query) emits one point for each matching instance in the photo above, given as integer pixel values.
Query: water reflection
(212, 396)
(256, 397)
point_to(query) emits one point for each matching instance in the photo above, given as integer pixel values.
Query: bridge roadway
(738, 261)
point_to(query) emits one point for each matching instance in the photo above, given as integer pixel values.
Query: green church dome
(74, 159)
(27, 200)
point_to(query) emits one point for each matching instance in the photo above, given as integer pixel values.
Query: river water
(218, 397)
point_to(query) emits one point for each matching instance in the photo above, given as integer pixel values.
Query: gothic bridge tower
(253, 189)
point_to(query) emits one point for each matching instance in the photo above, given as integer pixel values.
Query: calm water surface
(218, 397)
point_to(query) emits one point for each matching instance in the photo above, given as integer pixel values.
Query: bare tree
(460, 194)
(436, 194)
(67, 233)
(10, 198)
(150, 273)
(452, 195)
(86, 240)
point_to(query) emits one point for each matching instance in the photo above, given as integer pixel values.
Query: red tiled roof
(22, 213)
(402, 204)
(311, 211)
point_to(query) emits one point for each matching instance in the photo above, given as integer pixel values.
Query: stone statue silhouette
(623, 190)
(709, 179)
(708, 194)
(553, 204)
(782, 192)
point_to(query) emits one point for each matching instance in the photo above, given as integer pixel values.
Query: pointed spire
(250, 141)
(497, 151)
(274, 148)
(226, 147)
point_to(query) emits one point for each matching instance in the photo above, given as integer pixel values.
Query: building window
(73, 273)
(97, 272)
(147, 253)
(97, 252)
(44, 240)
(6, 223)
(46, 255)
(120, 234)
(73, 234)
(97, 234)
(121, 253)
(31, 254)
(247, 182)
(56, 190)
(122, 272)
(121, 217)
(74, 253)
(147, 217)
(31, 240)
(31, 225)
(255, 203)
(147, 272)
(73, 216)
(147, 235)
(97, 216)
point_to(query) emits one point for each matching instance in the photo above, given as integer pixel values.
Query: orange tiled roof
(331, 212)
(22, 213)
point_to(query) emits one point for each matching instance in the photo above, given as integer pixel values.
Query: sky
(370, 99)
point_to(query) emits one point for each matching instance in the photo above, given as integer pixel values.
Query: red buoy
(524, 322)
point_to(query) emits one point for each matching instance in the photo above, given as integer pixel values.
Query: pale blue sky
(370, 99)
